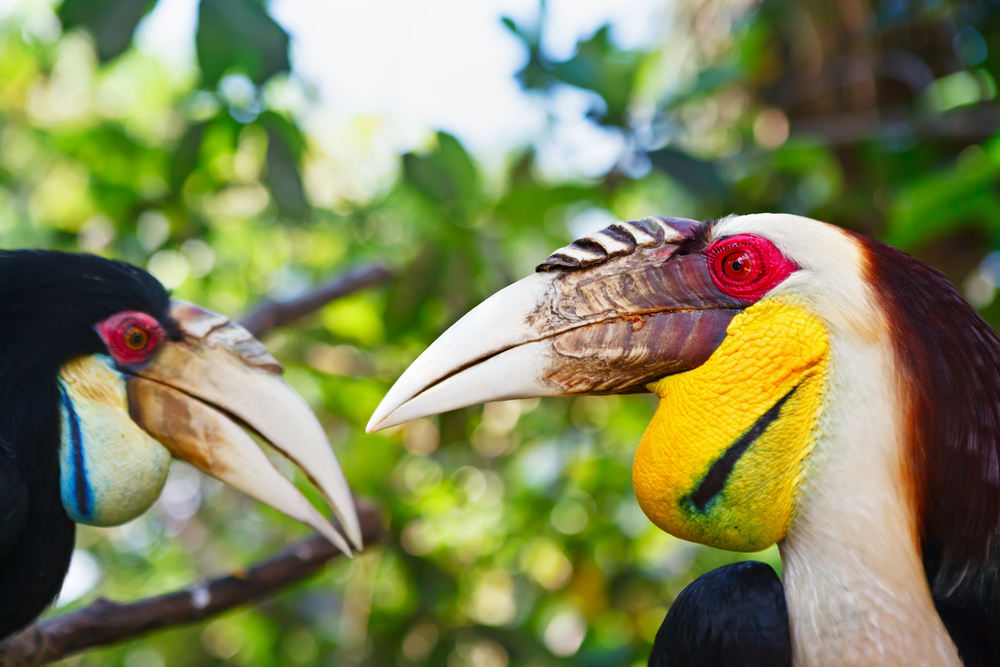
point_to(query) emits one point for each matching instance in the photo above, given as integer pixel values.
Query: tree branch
(103, 622)
(271, 314)
(970, 123)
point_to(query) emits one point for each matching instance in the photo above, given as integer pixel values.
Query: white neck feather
(854, 581)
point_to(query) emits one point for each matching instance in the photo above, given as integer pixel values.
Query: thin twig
(103, 622)
(971, 123)
(271, 314)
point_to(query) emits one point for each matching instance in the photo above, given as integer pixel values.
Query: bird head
(140, 380)
(729, 323)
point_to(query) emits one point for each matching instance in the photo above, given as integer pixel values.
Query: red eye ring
(747, 266)
(132, 337)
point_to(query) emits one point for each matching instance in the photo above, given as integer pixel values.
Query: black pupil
(737, 265)
(136, 338)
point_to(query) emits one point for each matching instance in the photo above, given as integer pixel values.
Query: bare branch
(970, 123)
(271, 314)
(104, 622)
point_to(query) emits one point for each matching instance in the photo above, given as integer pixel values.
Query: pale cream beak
(587, 322)
(194, 393)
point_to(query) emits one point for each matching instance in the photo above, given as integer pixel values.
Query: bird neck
(856, 588)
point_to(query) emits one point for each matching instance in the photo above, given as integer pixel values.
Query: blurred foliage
(515, 536)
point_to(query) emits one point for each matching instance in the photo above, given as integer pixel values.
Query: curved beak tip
(187, 395)
(373, 423)
(382, 419)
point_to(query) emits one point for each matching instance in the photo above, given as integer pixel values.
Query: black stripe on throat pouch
(718, 473)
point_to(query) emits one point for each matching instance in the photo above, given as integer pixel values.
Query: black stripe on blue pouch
(81, 490)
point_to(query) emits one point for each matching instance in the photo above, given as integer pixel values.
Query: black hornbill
(817, 389)
(102, 380)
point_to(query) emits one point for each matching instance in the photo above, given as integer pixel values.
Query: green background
(515, 537)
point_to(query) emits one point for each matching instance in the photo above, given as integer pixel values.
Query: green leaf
(239, 36)
(536, 74)
(708, 82)
(526, 205)
(600, 67)
(698, 176)
(411, 291)
(284, 152)
(120, 168)
(938, 204)
(201, 143)
(446, 175)
(185, 158)
(112, 22)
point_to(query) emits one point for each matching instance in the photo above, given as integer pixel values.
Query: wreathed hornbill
(102, 381)
(817, 389)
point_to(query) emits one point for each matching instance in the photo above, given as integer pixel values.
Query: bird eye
(136, 338)
(747, 266)
(737, 265)
(131, 337)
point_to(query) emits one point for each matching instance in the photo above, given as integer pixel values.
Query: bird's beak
(197, 393)
(606, 315)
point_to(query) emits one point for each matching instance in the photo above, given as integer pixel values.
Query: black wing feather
(13, 507)
(735, 616)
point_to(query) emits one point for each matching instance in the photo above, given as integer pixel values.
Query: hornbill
(817, 389)
(102, 381)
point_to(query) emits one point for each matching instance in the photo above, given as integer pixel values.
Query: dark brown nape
(949, 361)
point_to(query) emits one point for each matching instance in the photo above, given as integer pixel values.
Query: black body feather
(735, 616)
(49, 304)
